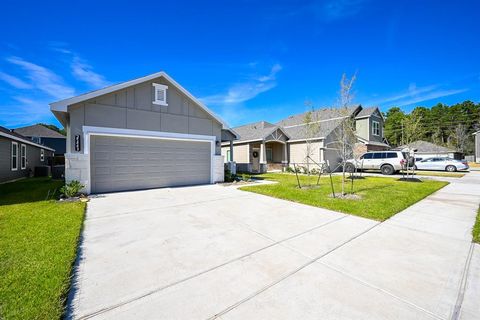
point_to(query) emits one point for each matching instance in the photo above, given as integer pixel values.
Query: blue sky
(247, 60)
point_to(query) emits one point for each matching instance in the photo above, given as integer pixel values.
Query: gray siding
(33, 160)
(477, 147)
(373, 137)
(132, 108)
(364, 127)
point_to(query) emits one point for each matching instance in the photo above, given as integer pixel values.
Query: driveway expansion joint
(154, 291)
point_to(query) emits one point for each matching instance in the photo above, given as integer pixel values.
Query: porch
(268, 156)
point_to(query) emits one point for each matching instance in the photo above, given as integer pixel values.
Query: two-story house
(264, 146)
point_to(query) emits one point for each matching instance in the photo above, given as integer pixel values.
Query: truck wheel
(387, 169)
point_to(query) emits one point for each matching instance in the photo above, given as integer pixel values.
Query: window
(391, 155)
(378, 155)
(160, 97)
(269, 155)
(228, 156)
(23, 159)
(376, 128)
(42, 155)
(367, 156)
(14, 156)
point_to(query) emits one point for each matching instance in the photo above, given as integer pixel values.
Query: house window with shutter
(160, 96)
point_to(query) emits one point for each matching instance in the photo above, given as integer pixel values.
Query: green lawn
(476, 229)
(381, 197)
(38, 241)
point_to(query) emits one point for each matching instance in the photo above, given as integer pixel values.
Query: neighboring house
(477, 146)
(426, 150)
(145, 133)
(264, 146)
(43, 135)
(19, 155)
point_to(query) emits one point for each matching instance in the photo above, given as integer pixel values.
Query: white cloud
(44, 79)
(338, 9)
(14, 81)
(241, 92)
(416, 94)
(25, 112)
(84, 72)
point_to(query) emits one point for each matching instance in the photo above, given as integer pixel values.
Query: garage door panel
(120, 163)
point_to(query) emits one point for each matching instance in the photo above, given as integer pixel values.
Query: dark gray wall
(376, 117)
(33, 159)
(59, 144)
(132, 108)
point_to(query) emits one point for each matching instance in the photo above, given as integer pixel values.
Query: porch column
(231, 151)
(263, 153)
(284, 156)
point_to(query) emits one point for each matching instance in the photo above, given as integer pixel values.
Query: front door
(256, 160)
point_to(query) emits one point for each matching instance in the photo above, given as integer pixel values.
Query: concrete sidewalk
(217, 252)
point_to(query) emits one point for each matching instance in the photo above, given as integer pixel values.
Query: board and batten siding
(241, 152)
(33, 159)
(297, 152)
(133, 108)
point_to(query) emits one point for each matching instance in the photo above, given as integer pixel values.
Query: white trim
(18, 139)
(163, 88)
(88, 131)
(373, 128)
(61, 106)
(14, 143)
(22, 156)
(311, 139)
(42, 155)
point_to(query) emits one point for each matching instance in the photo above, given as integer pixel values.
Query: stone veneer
(218, 169)
(77, 168)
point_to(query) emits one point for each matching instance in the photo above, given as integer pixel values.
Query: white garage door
(122, 163)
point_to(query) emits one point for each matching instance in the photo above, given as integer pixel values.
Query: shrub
(314, 171)
(229, 177)
(246, 177)
(71, 189)
(289, 169)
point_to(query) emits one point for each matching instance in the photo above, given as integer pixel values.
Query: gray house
(19, 155)
(477, 146)
(145, 133)
(425, 149)
(43, 135)
(265, 146)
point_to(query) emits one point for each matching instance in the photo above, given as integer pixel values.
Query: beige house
(264, 146)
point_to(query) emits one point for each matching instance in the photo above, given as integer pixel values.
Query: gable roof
(325, 114)
(256, 131)
(426, 147)
(368, 112)
(61, 106)
(4, 132)
(37, 130)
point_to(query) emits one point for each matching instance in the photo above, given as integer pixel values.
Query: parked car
(442, 164)
(388, 162)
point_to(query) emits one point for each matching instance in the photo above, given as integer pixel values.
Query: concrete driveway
(217, 252)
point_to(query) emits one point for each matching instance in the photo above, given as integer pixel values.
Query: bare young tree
(459, 137)
(344, 143)
(311, 127)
